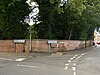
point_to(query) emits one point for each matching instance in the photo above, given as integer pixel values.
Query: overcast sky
(35, 11)
(33, 14)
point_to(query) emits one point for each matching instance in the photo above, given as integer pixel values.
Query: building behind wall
(97, 36)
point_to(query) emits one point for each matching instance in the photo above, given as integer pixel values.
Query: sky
(34, 13)
(62, 2)
(35, 10)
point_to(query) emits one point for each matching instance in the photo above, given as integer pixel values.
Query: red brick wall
(42, 46)
(7, 46)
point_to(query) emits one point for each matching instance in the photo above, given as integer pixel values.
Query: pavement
(24, 56)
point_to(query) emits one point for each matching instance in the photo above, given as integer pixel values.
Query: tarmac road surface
(78, 62)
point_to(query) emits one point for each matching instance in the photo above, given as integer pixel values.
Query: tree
(13, 13)
(90, 18)
(58, 20)
(46, 12)
(67, 19)
(70, 21)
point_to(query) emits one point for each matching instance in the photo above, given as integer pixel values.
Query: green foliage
(12, 16)
(90, 18)
(47, 9)
(75, 20)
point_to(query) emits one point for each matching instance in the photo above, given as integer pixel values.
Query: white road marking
(66, 68)
(74, 68)
(83, 54)
(79, 57)
(6, 59)
(27, 66)
(74, 73)
(67, 64)
(76, 55)
(74, 64)
(69, 61)
(20, 59)
(71, 58)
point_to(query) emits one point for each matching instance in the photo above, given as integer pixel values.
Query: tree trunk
(70, 35)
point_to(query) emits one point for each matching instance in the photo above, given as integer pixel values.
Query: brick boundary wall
(42, 46)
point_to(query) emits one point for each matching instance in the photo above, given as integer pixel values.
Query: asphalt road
(79, 62)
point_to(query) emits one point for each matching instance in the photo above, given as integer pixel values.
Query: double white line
(77, 56)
